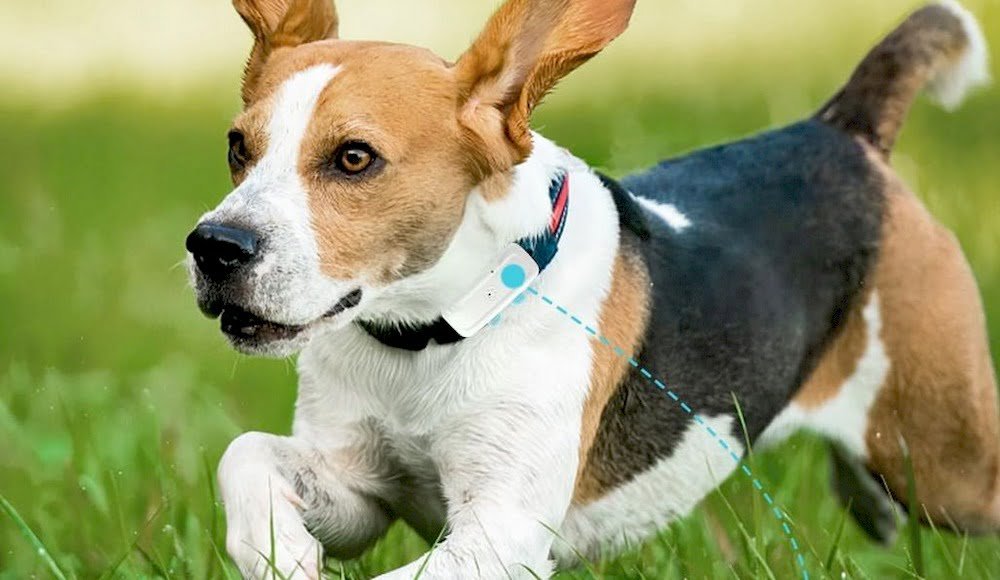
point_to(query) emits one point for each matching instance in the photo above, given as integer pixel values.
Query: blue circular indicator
(513, 276)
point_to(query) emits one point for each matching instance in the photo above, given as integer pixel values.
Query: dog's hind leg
(938, 410)
(935, 417)
(286, 501)
(862, 493)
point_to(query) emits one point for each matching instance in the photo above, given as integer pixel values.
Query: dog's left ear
(282, 23)
(527, 46)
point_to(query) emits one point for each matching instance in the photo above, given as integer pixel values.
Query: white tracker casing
(491, 295)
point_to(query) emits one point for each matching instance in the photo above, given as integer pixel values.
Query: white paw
(290, 552)
(266, 536)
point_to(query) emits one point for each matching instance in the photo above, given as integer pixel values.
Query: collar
(542, 248)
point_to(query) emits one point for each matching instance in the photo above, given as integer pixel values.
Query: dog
(786, 281)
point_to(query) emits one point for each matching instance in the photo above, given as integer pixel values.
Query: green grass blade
(32, 538)
(943, 547)
(223, 563)
(213, 524)
(961, 555)
(916, 541)
(837, 537)
(587, 564)
(427, 558)
(750, 543)
(110, 572)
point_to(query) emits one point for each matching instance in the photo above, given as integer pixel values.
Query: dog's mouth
(246, 328)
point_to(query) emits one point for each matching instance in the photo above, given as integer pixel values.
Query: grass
(117, 398)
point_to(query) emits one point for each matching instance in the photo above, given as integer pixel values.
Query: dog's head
(353, 161)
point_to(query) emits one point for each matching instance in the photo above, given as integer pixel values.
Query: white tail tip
(950, 86)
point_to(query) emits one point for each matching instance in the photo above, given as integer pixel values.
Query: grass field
(117, 398)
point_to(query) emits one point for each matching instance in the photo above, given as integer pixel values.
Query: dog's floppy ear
(526, 47)
(282, 23)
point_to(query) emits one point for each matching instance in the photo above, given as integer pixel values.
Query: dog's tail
(940, 47)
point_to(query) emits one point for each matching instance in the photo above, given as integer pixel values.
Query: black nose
(220, 250)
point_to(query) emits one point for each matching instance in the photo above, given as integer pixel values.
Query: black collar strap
(414, 338)
(542, 248)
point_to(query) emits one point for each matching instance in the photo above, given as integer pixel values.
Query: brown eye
(354, 158)
(239, 155)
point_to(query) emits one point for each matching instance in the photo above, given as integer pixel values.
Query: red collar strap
(543, 247)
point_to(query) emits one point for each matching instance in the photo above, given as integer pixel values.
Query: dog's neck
(490, 223)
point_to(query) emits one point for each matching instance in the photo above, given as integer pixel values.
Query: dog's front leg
(282, 493)
(507, 473)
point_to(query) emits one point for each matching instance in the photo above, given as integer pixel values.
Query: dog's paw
(294, 555)
(276, 545)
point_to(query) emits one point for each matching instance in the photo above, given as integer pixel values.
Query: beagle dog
(388, 202)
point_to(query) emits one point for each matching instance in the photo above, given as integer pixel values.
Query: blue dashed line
(799, 559)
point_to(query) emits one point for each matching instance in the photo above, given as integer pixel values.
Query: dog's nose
(220, 250)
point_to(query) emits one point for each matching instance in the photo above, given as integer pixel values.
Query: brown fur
(622, 320)
(399, 220)
(253, 125)
(838, 362)
(876, 99)
(940, 399)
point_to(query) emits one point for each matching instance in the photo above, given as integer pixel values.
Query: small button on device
(513, 276)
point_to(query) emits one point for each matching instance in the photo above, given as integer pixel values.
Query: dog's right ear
(282, 23)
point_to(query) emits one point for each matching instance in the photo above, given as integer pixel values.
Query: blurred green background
(117, 398)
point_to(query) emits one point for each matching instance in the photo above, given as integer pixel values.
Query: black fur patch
(785, 228)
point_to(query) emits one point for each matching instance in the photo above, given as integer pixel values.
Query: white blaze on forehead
(294, 106)
(273, 185)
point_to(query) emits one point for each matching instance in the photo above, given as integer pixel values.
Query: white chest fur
(504, 405)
